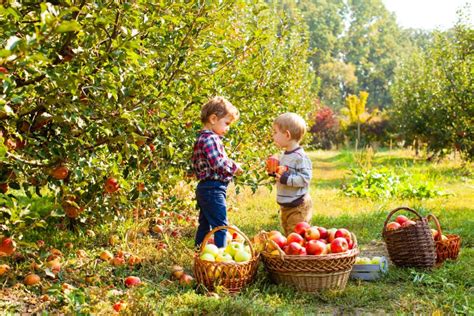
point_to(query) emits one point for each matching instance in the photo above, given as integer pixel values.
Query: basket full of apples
(447, 246)
(311, 258)
(409, 242)
(232, 267)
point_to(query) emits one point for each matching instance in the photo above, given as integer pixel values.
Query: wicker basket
(411, 246)
(311, 273)
(445, 249)
(232, 276)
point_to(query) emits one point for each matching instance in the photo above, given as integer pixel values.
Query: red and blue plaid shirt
(210, 162)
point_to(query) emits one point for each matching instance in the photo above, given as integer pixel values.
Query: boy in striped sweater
(292, 181)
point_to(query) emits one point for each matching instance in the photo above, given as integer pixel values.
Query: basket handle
(438, 226)
(396, 210)
(215, 229)
(280, 251)
(354, 238)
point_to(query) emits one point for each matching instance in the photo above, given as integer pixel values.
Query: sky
(428, 14)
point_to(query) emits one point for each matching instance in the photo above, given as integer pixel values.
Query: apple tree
(100, 101)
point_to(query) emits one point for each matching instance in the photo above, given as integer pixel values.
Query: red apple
(119, 306)
(131, 281)
(339, 244)
(301, 228)
(312, 233)
(344, 233)
(331, 234)
(186, 280)
(435, 233)
(279, 239)
(295, 248)
(3, 70)
(60, 173)
(4, 188)
(7, 247)
(294, 237)
(281, 170)
(272, 164)
(315, 247)
(323, 233)
(111, 185)
(401, 219)
(408, 223)
(393, 226)
(351, 244)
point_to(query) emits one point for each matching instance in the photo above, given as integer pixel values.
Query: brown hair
(293, 123)
(219, 106)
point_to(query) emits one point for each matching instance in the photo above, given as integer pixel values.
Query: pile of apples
(367, 260)
(235, 251)
(400, 222)
(311, 240)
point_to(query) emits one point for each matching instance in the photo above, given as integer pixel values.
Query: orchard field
(99, 109)
(447, 289)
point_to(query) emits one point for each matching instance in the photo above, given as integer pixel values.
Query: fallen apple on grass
(132, 281)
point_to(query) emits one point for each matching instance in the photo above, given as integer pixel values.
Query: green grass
(448, 289)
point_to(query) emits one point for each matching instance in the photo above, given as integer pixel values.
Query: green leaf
(68, 26)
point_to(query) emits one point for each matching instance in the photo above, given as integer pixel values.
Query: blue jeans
(210, 196)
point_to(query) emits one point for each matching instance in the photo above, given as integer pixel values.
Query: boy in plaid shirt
(213, 168)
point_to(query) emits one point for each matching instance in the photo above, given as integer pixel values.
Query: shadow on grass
(328, 183)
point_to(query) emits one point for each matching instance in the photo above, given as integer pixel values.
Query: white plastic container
(369, 272)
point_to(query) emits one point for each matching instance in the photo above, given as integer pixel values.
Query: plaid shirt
(210, 162)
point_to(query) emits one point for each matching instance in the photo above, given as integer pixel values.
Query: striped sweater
(294, 183)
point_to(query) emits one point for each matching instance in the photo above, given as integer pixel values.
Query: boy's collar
(292, 151)
(208, 131)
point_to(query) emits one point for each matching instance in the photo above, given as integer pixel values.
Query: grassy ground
(449, 289)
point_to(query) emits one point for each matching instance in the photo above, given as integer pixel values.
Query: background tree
(433, 94)
(355, 113)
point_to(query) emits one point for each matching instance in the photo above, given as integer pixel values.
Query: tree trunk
(358, 136)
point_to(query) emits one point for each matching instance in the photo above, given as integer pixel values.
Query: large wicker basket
(232, 276)
(411, 246)
(445, 249)
(311, 273)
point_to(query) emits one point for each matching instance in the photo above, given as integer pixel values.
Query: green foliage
(433, 94)
(386, 182)
(115, 89)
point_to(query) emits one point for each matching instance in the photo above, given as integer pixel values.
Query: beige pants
(290, 216)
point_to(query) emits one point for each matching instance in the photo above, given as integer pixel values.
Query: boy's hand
(277, 177)
(239, 170)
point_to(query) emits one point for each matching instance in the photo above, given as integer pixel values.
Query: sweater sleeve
(300, 175)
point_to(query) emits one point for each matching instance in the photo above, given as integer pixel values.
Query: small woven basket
(232, 276)
(411, 246)
(445, 249)
(311, 273)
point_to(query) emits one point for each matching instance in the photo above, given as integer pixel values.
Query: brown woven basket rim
(329, 256)
(227, 264)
